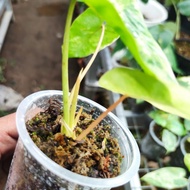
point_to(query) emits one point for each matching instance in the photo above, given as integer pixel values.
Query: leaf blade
(85, 33)
(168, 177)
(140, 85)
(127, 20)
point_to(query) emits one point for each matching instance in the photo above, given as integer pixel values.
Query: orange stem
(100, 118)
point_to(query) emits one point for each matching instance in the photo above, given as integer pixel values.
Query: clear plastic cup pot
(32, 169)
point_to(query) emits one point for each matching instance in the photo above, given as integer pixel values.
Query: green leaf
(158, 84)
(184, 7)
(171, 2)
(166, 38)
(159, 117)
(168, 121)
(169, 140)
(127, 20)
(169, 52)
(164, 33)
(168, 177)
(85, 33)
(175, 125)
(187, 124)
(139, 85)
(171, 26)
(187, 160)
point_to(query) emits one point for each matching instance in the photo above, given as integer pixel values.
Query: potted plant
(178, 166)
(181, 158)
(166, 177)
(157, 85)
(164, 134)
(39, 171)
(164, 34)
(183, 57)
(179, 11)
(35, 173)
(184, 146)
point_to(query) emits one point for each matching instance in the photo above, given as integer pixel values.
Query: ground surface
(32, 48)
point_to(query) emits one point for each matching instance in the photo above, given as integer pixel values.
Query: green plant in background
(154, 83)
(167, 177)
(125, 57)
(181, 7)
(172, 125)
(187, 159)
(164, 34)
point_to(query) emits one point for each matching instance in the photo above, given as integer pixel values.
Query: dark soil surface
(97, 155)
(183, 45)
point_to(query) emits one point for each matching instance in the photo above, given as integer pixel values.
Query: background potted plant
(180, 11)
(178, 166)
(155, 83)
(168, 143)
(166, 177)
(164, 134)
(153, 12)
(181, 158)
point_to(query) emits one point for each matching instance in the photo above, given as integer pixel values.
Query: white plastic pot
(154, 13)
